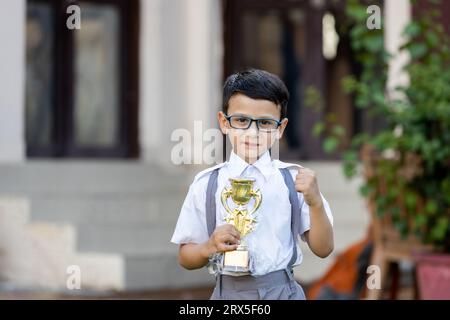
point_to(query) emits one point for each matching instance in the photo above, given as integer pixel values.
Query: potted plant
(406, 164)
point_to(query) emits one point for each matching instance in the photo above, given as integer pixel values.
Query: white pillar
(197, 73)
(12, 84)
(180, 71)
(150, 130)
(397, 14)
(197, 59)
(203, 62)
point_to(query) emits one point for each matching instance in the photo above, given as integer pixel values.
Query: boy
(253, 118)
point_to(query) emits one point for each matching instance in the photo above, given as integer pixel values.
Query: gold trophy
(241, 193)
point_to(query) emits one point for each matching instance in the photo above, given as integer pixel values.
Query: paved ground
(198, 293)
(201, 293)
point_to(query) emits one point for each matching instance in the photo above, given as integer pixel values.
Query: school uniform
(272, 245)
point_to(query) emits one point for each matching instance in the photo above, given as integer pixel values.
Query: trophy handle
(258, 198)
(226, 193)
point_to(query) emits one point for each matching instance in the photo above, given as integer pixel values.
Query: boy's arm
(194, 256)
(320, 235)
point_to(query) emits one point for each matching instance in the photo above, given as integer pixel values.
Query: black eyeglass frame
(228, 117)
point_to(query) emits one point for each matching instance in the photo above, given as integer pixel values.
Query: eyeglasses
(243, 122)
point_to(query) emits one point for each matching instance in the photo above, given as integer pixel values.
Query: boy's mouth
(251, 144)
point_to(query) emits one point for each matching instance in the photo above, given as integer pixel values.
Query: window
(81, 85)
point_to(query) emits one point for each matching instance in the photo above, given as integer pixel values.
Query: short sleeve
(305, 223)
(191, 224)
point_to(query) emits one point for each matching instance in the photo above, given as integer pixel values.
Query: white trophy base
(237, 260)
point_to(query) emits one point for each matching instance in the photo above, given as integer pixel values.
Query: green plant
(406, 165)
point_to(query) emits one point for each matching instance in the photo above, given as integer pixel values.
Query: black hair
(256, 84)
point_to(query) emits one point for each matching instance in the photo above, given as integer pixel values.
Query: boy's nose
(253, 128)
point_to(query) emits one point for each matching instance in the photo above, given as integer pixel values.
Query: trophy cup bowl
(241, 193)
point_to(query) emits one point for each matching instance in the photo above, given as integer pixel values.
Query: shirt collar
(237, 165)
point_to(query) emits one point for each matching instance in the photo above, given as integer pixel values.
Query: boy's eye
(242, 120)
(267, 124)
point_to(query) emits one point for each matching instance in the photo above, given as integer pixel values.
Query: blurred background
(86, 123)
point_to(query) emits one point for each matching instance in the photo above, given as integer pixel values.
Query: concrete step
(36, 255)
(148, 209)
(136, 239)
(15, 210)
(158, 271)
(54, 244)
(98, 271)
(61, 237)
(32, 256)
(89, 178)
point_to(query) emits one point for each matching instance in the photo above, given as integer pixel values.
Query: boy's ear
(281, 128)
(222, 122)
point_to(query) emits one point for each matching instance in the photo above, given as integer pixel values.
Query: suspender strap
(295, 212)
(211, 202)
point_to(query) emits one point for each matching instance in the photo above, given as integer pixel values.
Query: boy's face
(251, 143)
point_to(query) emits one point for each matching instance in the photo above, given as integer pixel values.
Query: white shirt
(270, 244)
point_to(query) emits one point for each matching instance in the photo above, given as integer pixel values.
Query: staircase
(37, 255)
(121, 216)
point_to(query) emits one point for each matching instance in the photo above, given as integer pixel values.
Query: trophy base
(237, 260)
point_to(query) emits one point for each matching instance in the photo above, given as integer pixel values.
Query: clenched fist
(224, 238)
(306, 183)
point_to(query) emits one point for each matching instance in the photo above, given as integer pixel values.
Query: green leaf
(365, 190)
(350, 156)
(432, 38)
(313, 98)
(318, 129)
(439, 231)
(445, 185)
(349, 84)
(349, 170)
(356, 11)
(330, 144)
(412, 29)
(393, 193)
(338, 131)
(381, 201)
(420, 220)
(359, 139)
(410, 200)
(402, 226)
(395, 212)
(374, 44)
(417, 50)
(431, 207)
